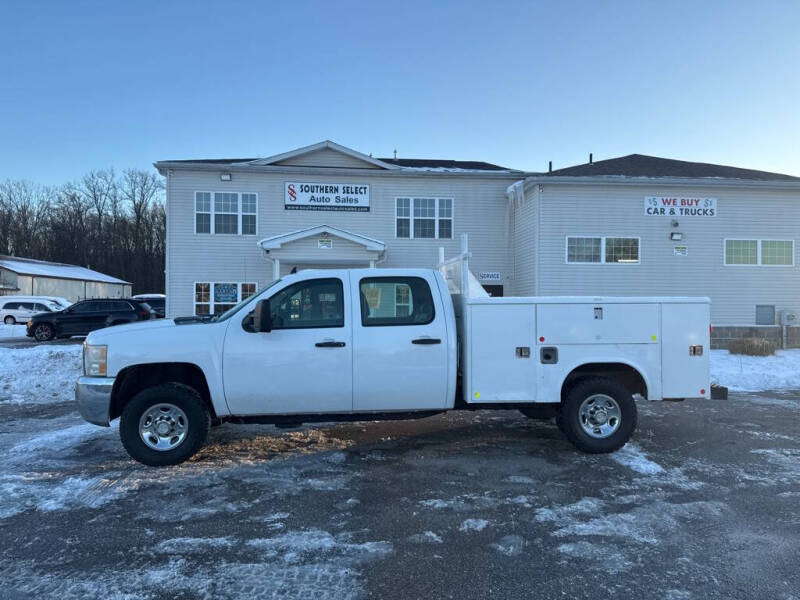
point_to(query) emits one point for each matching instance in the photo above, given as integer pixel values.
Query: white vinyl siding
(768, 253)
(424, 218)
(215, 297)
(602, 250)
(228, 213)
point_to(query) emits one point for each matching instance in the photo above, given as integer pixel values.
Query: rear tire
(164, 425)
(598, 415)
(43, 332)
(9, 320)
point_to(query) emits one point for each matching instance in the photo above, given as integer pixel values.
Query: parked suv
(156, 301)
(87, 315)
(18, 309)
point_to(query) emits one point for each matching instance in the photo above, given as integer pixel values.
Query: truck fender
(651, 392)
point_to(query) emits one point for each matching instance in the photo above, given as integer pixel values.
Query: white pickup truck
(370, 344)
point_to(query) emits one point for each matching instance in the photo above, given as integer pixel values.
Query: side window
(314, 303)
(85, 307)
(41, 307)
(11, 306)
(395, 301)
(26, 305)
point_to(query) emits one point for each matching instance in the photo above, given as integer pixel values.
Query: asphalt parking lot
(705, 503)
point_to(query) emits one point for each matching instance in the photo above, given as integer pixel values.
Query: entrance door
(399, 344)
(305, 364)
(495, 291)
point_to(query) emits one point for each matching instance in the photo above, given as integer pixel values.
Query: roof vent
(590, 158)
(550, 167)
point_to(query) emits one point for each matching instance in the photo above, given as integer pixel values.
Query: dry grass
(752, 347)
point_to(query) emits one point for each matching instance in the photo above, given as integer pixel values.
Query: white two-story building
(635, 225)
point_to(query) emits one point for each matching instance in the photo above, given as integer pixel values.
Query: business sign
(680, 251)
(325, 244)
(353, 197)
(489, 276)
(671, 206)
(225, 293)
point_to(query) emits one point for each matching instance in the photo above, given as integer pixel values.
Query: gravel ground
(705, 503)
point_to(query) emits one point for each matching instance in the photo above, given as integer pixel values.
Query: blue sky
(89, 85)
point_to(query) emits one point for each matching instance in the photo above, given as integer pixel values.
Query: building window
(202, 212)
(765, 314)
(772, 253)
(249, 203)
(213, 298)
(226, 212)
(404, 217)
(229, 212)
(426, 218)
(603, 250)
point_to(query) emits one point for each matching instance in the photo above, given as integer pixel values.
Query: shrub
(752, 347)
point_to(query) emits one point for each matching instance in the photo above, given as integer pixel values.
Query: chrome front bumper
(93, 395)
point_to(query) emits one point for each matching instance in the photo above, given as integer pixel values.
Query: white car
(19, 309)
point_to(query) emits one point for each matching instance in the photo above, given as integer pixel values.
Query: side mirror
(262, 320)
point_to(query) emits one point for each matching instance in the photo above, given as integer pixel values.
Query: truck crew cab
(367, 344)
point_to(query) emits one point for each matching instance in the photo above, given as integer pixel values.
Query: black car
(87, 315)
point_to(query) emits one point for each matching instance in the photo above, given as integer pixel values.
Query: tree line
(112, 223)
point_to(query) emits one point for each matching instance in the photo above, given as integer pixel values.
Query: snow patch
(510, 545)
(297, 546)
(39, 375)
(190, 545)
(473, 525)
(756, 373)
(426, 537)
(631, 456)
(597, 556)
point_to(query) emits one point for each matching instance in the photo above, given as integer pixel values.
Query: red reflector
(710, 329)
(702, 392)
(541, 339)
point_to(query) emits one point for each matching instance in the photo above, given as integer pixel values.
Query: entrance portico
(321, 246)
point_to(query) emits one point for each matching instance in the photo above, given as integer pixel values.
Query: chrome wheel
(599, 415)
(163, 427)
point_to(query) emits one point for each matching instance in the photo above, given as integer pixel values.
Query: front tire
(598, 415)
(164, 425)
(9, 320)
(43, 332)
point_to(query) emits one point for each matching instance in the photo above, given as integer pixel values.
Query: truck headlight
(94, 360)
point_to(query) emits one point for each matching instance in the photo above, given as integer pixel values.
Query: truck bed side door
(400, 344)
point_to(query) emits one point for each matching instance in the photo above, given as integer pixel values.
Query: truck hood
(100, 336)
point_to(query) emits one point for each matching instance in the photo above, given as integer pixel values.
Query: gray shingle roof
(640, 165)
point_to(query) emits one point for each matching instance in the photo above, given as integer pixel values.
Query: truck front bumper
(93, 395)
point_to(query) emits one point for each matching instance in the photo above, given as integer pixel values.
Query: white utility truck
(370, 344)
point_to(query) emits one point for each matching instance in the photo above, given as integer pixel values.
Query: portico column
(276, 269)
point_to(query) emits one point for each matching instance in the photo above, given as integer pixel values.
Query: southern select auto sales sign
(353, 197)
(670, 206)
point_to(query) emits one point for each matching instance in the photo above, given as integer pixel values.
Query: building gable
(324, 154)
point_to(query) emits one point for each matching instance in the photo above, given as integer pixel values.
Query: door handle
(426, 341)
(329, 344)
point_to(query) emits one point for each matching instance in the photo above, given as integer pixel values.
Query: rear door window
(389, 301)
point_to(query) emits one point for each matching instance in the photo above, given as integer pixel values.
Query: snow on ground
(12, 331)
(39, 375)
(756, 373)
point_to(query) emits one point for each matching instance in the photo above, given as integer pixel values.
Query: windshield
(234, 309)
(157, 303)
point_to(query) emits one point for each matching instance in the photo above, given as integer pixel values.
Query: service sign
(489, 276)
(670, 206)
(353, 197)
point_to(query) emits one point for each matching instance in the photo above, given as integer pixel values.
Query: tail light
(144, 314)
